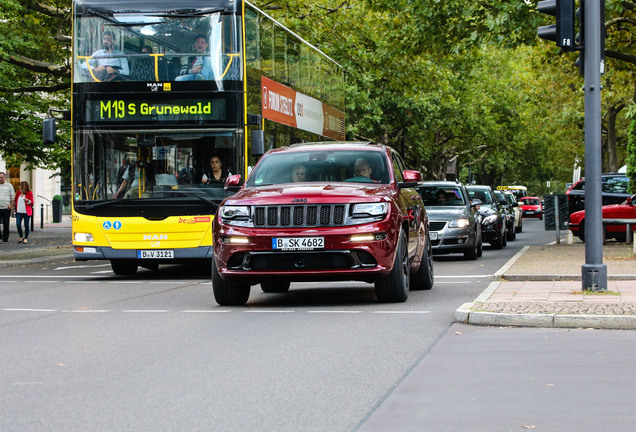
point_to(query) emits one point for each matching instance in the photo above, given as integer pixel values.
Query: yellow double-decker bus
(168, 97)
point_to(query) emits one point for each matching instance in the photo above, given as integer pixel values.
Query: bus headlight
(83, 237)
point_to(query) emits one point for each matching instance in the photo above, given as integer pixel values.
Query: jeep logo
(299, 200)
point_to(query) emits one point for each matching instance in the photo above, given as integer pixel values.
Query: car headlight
(490, 219)
(370, 209)
(234, 213)
(459, 223)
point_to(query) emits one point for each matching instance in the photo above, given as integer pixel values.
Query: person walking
(23, 210)
(6, 204)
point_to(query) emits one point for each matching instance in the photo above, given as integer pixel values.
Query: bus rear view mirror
(258, 142)
(48, 131)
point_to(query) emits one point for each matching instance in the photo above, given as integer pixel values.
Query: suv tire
(395, 287)
(228, 293)
(424, 277)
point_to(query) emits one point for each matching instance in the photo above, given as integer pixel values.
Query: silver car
(455, 224)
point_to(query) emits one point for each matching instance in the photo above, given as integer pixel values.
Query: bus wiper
(106, 203)
(212, 204)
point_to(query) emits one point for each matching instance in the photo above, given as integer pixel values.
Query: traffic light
(563, 31)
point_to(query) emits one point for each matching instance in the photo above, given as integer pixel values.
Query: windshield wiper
(212, 204)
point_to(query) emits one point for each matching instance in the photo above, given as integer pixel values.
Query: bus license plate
(298, 243)
(150, 254)
(432, 235)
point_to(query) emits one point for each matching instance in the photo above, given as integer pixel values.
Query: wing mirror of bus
(258, 142)
(48, 131)
(412, 178)
(233, 183)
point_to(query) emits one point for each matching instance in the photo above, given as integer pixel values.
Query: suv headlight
(230, 214)
(369, 209)
(459, 223)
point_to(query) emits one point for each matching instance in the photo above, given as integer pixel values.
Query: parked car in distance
(493, 223)
(625, 210)
(354, 215)
(614, 190)
(508, 211)
(455, 225)
(512, 200)
(531, 207)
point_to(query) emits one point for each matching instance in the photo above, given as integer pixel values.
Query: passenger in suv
(336, 225)
(455, 225)
(493, 224)
(614, 187)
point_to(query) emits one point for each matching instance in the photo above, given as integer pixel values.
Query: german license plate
(298, 243)
(530, 212)
(432, 235)
(150, 254)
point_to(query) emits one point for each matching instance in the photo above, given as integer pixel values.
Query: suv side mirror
(412, 178)
(233, 183)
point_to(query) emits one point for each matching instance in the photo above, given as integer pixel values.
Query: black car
(508, 210)
(614, 187)
(493, 224)
(454, 222)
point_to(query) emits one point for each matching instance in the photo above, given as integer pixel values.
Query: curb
(466, 315)
(30, 261)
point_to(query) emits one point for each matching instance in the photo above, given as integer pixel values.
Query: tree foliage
(441, 80)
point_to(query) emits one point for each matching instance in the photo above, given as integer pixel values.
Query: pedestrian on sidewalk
(23, 210)
(6, 204)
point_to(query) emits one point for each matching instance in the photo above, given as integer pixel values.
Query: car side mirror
(233, 183)
(412, 178)
(514, 204)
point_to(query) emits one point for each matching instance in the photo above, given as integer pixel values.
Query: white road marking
(146, 310)
(335, 311)
(28, 310)
(401, 312)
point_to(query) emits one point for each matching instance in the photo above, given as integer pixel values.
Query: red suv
(314, 212)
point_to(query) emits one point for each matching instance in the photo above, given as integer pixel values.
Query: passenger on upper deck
(108, 63)
(199, 68)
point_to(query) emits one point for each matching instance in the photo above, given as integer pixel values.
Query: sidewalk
(541, 287)
(53, 241)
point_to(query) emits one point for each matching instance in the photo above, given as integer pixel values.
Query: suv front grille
(299, 215)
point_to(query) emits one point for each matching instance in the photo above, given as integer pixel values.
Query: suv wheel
(423, 278)
(395, 287)
(228, 293)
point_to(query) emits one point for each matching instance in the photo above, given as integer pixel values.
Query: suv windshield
(321, 166)
(442, 196)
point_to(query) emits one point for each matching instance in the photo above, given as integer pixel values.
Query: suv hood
(310, 193)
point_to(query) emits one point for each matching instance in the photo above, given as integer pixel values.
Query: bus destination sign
(119, 110)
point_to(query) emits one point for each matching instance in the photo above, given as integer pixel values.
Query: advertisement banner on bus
(287, 106)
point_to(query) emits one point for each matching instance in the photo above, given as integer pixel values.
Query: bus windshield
(124, 166)
(156, 47)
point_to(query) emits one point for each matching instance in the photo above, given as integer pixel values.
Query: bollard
(41, 216)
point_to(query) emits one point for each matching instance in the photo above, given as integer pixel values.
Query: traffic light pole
(594, 272)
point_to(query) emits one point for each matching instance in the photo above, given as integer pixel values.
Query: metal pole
(42, 216)
(594, 272)
(557, 219)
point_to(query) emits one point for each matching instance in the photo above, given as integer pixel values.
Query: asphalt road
(86, 350)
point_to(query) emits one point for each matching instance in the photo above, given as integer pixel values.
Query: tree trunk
(612, 155)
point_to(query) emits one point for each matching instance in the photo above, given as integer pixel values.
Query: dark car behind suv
(354, 215)
(493, 223)
(614, 190)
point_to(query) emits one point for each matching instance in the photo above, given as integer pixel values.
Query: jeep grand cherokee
(352, 215)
